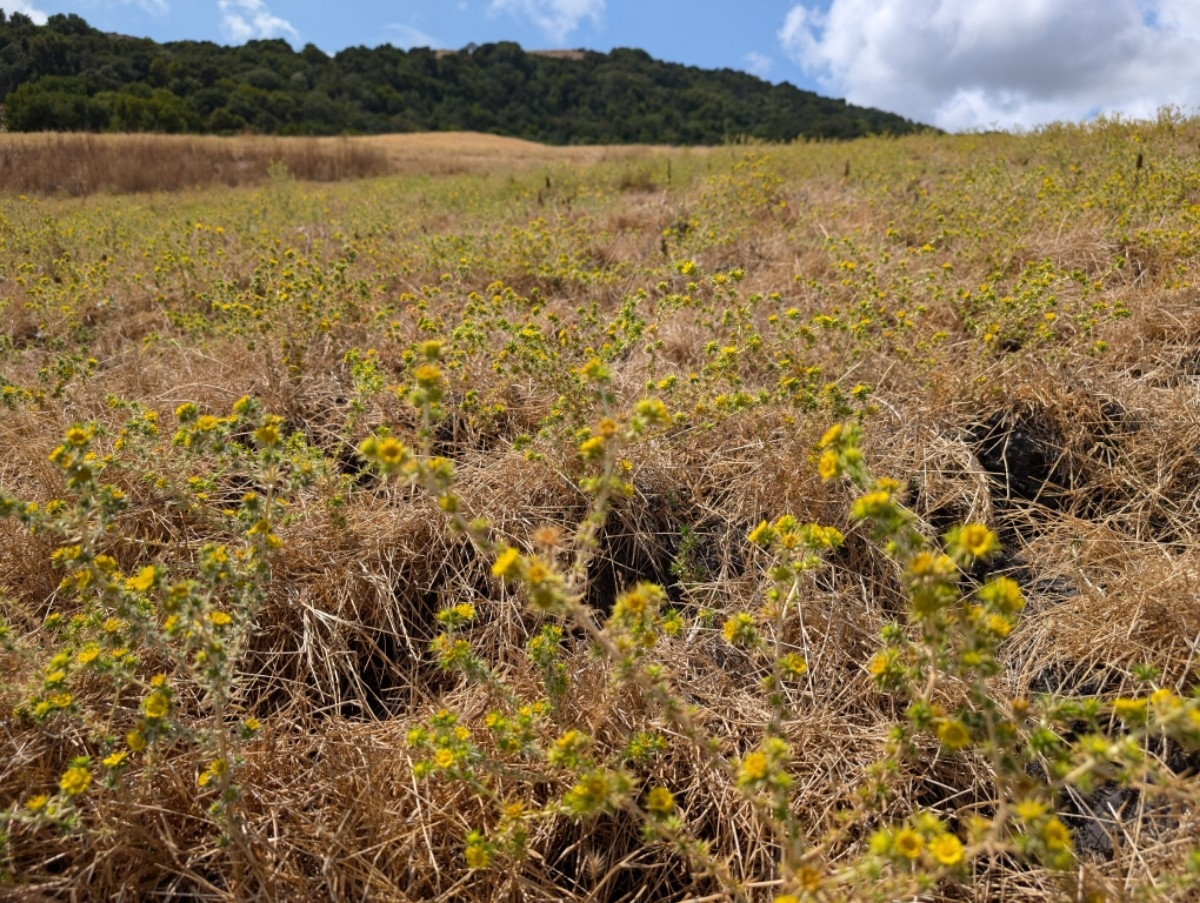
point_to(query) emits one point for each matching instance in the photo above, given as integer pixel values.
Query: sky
(962, 65)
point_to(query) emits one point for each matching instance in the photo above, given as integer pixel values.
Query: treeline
(68, 76)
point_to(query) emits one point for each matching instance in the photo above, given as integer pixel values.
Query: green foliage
(67, 76)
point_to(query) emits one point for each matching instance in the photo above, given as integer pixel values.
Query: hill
(68, 76)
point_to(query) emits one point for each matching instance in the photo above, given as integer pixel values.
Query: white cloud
(556, 19)
(408, 37)
(28, 9)
(758, 63)
(246, 20)
(1005, 63)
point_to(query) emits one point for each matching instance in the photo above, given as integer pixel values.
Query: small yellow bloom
(946, 849)
(156, 705)
(832, 435)
(1056, 835)
(1028, 810)
(478, 856)
(827, 467)
(220, 618)
(592, 449)
(953, 734)
(754, 768)
(116, 760)
(135, 741)
(143, 581)
(267, 434)
(660, 801)
(75, 780)
(37, 803)
(978, 540)
(443, 758)
(87, 654)
(907, 843)
(508, 564)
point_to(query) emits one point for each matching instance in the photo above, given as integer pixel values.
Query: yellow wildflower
(37, 803)
(75, 780)
(143, 581)
(953, 734)
(156, 705)
(946, 849)
(907, 843)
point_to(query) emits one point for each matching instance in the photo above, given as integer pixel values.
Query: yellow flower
(999, 625)
(761, 535)
(872, 504)
(946, 849)
(1028, 810)
(508, 564)
(978, 540)
(907, 843)
(1056, 835)
(220, 618)
(37, 803)
(832, 435)
(1130, 709)
(77, 437)
(88, 654)
(953, 734)
(135, 741)
(660, 801)
(478, 856)
(827, 467)
(143, 581)
(267, 434)
(116, 760)
(156, 705)
(427, 376)
(252, 724)
(592, 449)
(75, 780)
(207, 423)
(443, 758)
(793, 665)
(754, 768)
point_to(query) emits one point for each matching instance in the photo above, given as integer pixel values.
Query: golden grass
(1075, 436)
(82, 164)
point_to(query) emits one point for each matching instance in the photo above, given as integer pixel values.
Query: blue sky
(960, 64)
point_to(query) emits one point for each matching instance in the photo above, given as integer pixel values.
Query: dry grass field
(446, 517)
(81, 164)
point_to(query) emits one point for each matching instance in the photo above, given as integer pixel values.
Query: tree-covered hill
(66, 75)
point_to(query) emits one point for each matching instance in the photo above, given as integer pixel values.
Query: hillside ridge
(68, 76)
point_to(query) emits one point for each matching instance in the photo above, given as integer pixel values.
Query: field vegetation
(773, 522)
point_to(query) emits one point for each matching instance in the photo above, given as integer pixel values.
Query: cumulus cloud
(556, 19)
(758, 63)
(1005, 63)
(247, 20)
(408, 37)
(28, 9)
